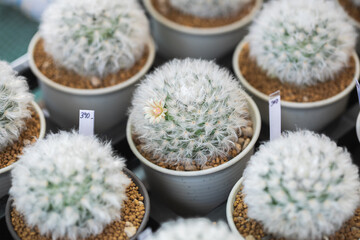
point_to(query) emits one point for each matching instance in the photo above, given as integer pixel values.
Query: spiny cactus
(69, 185)
(194, 229)
(302, 42)
(301, 186)
(15, 101)
(209, 8)
(189, 110)
(95, 37)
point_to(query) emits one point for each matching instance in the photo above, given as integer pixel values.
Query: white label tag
(358, 88)
(145, 234)
(275, 115)
(86, 122)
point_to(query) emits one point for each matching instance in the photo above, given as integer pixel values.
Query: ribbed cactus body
(15, 101)
(69, 185)
(95, 37)
(301, 186)
(302, 42)
(189, 110)
(194, 229)
(209, 8)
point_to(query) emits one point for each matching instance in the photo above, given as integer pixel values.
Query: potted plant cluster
(88, 54)
(299, 186)
(21, 122)
(71, 186)
(200, 29)
(305, 49)
(193, 128)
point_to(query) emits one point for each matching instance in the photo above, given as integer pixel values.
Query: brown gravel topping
(251, 229)
(31, 133)
(132, 214)
(45, 63)
(351, 9)
(165, 9)
(267, 85)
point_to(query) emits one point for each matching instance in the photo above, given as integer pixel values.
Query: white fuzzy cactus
(95, 37)
(301, 186)
(302, 42)
(189, 110)
(194, 229)
(15, 101)
(69, 185)
(209, 8)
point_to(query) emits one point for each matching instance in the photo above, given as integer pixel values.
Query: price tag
(145, 234)
(86, 122)
(275, 115)
(358, 88)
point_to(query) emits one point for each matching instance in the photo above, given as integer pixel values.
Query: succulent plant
(15, 101)
(95, 37)
(301, 186)
(69, 185)
(189, 110)
(302, 42)
(209, 8)
(194, 229)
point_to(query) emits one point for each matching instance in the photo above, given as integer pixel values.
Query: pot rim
(230, 206)
(358, 127)
(288, 104)
(203, 31)
(256, 119)
(99, 91)
(41, 134)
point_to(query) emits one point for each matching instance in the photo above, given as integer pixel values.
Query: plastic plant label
(275, 115)
(358, 88)
(86, 122)
(145, 234)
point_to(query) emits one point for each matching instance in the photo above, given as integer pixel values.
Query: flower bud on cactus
(194, 229)
(301, 186)
(15, 101)
(69, 185)
(189, 110)
(95, 37)
(302, 42)
(209, 8)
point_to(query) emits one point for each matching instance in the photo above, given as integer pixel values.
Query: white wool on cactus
(302, 42)
(15, 101)
(95, 37)
(69, 186)
(209, 8)
(301, 186)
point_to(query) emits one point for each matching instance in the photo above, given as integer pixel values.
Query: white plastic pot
(197, 192)
(178, 41)
(110, 104)
(230, 207)
(5, 173)
(358, 127)
(312, 116)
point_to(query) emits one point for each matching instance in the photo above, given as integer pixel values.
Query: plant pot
(178, 41)
(358, 127)
(130, 174)
(230, 207)
(110, 103)
(197, 192)
(294, 115)
(5, 173)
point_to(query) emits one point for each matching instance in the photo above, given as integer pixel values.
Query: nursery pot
(130, 174)
(110, 103)
(230, 207)
(358, 127)
(179, 41)
(197, 192)
(5, 175)
(294, 115)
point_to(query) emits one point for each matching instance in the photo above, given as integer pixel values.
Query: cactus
(15, 101)
(302, 42)
(189, 110)
(69, 186)
(95, 37)
(209, 8)
(301, 186)
(194, 229)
